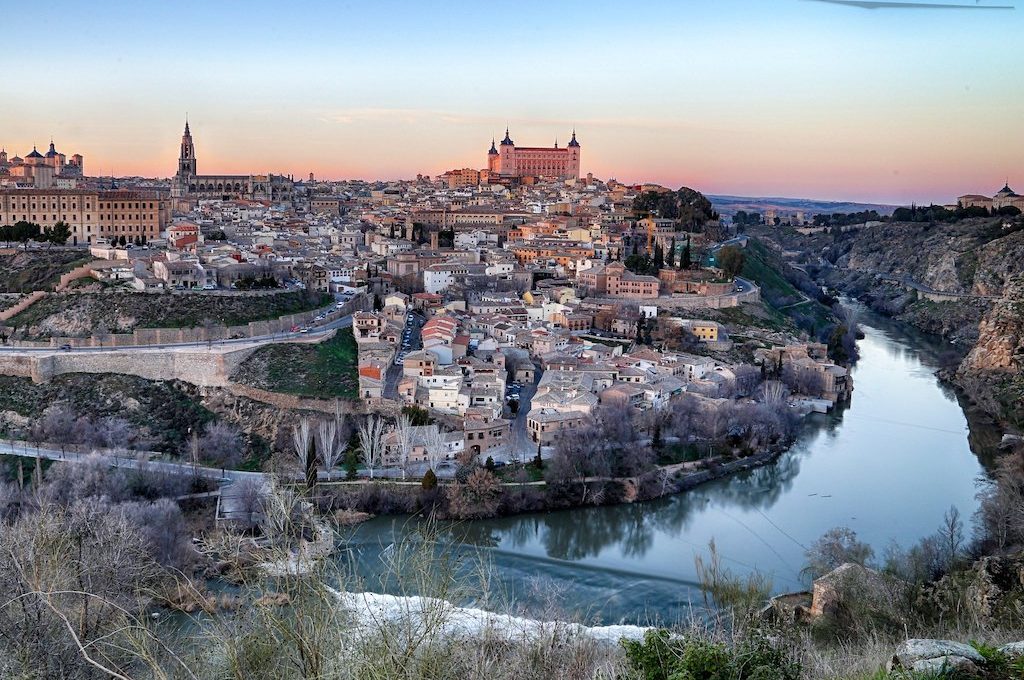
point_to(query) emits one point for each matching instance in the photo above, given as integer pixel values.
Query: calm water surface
(888, 466)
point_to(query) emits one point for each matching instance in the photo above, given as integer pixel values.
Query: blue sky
(782, 97)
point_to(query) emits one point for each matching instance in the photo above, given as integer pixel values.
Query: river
(888, 466)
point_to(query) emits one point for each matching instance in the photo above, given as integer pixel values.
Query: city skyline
(670, 95)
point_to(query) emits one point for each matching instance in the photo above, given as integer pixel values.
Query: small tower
(507, 156)
(574, 156)
(493, 159)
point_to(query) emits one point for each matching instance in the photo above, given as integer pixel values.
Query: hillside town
(512, 341)
(510, 304)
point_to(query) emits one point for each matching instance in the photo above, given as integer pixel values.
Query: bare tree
(281, 515)
(951, 536)
(435, 446)
(73, 578)
(747, 379)
(404, 434)
(301, 439)
(114, 433)
(835, 548)
(250, 495)
(221, 444)
(774, 394)
(58, 426)
(371, 441)
(327, 444)
(684, 415)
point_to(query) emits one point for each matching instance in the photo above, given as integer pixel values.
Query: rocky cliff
(981, 259)
(993, 372)
(973, 256)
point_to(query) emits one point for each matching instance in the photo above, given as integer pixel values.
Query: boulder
(911, 653)
(1013, 650)
(957, 666)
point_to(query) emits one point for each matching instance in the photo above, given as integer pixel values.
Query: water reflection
(888, 465)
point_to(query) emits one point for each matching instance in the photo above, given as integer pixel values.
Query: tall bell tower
(187, 158)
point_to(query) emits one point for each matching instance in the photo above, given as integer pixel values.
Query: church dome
(1007, 191)
(52, 152)
(34, 154)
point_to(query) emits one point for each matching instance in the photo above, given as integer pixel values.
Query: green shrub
(662, 656)
(429, 480)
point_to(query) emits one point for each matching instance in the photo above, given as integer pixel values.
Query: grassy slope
(122, 311)
(163, 411)
(25, 272)
(767, 270)
(325, 371)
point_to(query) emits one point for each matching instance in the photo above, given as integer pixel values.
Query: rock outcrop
(993, 372)
(937, 656)
(949, 659)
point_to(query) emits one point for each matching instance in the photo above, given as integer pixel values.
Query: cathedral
(188, 186)
(509, 160)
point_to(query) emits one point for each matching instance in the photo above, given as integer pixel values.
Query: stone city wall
(198, 334)
(202, 368)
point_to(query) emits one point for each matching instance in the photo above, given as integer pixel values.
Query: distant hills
(728, 205)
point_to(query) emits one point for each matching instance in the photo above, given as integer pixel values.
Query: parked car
(66, 347)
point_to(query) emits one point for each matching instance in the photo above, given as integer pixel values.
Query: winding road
(314, 333)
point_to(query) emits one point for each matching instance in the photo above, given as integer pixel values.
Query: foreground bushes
(757, 657)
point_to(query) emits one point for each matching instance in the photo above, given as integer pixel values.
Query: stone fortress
(509, 160)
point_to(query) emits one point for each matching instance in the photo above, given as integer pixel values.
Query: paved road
(316, 332)
(523, 449)
(908, 281)
(394, 372)
(230, 493)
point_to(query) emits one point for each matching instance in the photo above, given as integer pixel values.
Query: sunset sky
(748, 97)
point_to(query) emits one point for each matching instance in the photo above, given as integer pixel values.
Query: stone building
(91, 215)
(40, 170)
(1005, 197)
(614, 280)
